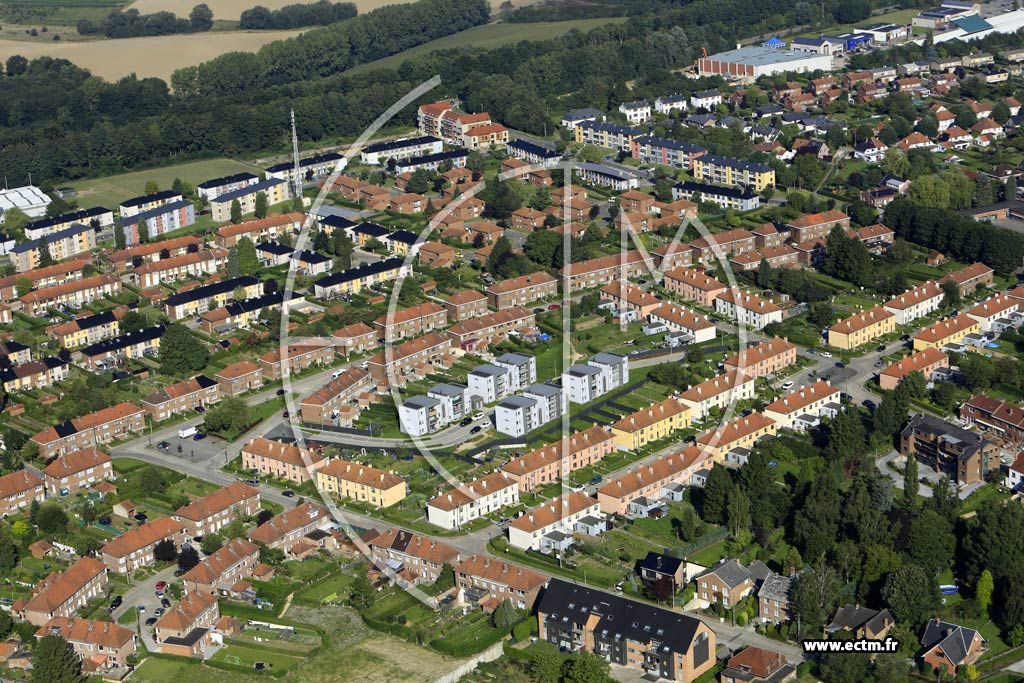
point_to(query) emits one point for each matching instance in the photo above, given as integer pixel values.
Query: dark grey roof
(579, 114)
(607, 358)
(247, 190)
(662, 564)
(583, 370)
(955, 641)
(966, 442)
(632, 620)
(853, 617)
(448, 389)
(514, 402)
(225, 180)
(204, 291)
(358, 272)
(400, 144)
(308, 161)
(146, 199)
(421, 402)
(513, 358)
(543, 389)
(488, 370)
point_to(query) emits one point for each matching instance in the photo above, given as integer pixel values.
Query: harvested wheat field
(153, 56)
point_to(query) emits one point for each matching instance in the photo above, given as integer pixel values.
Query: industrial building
(754, 62)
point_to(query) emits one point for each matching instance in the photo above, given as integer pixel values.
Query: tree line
(131, 24)
(331, 49)
(959, 236)
(320, 13)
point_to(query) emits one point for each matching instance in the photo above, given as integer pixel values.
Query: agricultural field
(112, 190)
(157, 56)
(59, 12)
(489, 36)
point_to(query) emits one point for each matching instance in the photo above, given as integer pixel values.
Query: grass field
(153, 56)
(112, 190)
(489, 36)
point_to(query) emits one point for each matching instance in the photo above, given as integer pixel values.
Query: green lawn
(489, 36)
(241, 655)
(112, 190)
(159, 670)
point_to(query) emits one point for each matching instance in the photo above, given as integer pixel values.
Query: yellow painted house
(361, 482)
(711, 168)
(650, 424)
(861, 328)
(949, 331)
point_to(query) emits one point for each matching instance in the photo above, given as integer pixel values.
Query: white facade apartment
(920, 301)
(461, 505)
(454, 400)
(805, 401)
(679, 319)
(551, 400)
(521, 367)
(517, 416)
(558, 515)
(419, 415)
(584, 382)
(636, 112)
(717, 392)
(667, 105)
(748, 309)
(489, 382)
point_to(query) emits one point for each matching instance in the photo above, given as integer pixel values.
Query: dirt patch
(154, 56)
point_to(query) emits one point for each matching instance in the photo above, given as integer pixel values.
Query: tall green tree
(181, 352)
(931, 542)
(260, 205)
(119, 240)
(45, 257)
(912, 594)
(983, 590)
(248, 261)
(236, 212)
(911, 485)
(142, 227)
(716, 494)
(53, 661)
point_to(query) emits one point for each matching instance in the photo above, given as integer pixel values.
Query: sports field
(490, 36)
(112, 190)
(152, 56)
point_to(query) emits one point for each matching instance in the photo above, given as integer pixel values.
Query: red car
(554, 307)
(160, 585)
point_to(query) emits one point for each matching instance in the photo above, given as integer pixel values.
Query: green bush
(525, 628)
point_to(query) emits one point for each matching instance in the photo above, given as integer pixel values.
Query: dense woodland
(319, 13)
(131, 24)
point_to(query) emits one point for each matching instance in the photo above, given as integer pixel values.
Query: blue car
(199, 436)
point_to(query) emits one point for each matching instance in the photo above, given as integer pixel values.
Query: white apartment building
(809, 401)
(747, 309)
(550, 525)
(461, 505)
(490, 382)
(521, 367)
(636, 112)
(718, 392)
(923, 299)
(517, 416)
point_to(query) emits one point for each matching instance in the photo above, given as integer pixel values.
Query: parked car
(279, 392)
(787, 385)
(164, 602)
(826, 354)
(141, 609)
(199, 436)
(881, 347)
(159, 611)
(538, 310)
(140, 516)
(869, 404)
(478, 416)
(554, 307)
(199, 409)
(164, 445)
(288, 493)
(116, 602)
(466, 421)
(150, 621)
(178, 573)
(160, 585)
(475, 430)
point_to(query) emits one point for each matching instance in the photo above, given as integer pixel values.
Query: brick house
(693, 285)
(100, 427)
(416, 559)
(324, 405)
(926, 362)
(239, 378)
(755, 665)
(498, 581)
(600, 271)
(134, 548)
(77, 470)
(1001, 419)
(521, 291)
(729, 582)
(298, 357)
(549, 463)
(186, 628)
(232, 562)
(478, 333)
(965, 457)
(101, 645)
(216, 510)
(181, 397)
(284, 530)
(281, 460)
(410, 322)
(61, 594)
(817, 225)
(949, 646)
(466, 304)
(434, 349)
(18, 490)
(764, 358)
(354, 338)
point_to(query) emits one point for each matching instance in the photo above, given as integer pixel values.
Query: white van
(187, 431)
